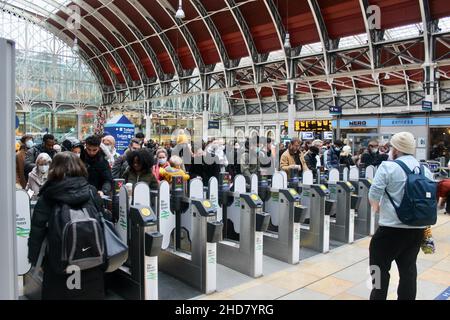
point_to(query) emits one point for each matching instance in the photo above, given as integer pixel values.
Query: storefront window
(20, 131)
(38, 120)
(87, 123)
(65, 124)
(439, 143)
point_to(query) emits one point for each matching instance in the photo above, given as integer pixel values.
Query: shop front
(439, 138)
(417, 126)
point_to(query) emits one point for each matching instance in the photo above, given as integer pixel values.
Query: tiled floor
(342, 274)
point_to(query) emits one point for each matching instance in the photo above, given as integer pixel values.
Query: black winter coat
(73, 191)
(99, 172)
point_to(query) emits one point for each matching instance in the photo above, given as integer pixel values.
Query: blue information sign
(212, 124)
(335, 110)
(122, 130)
(427, 105)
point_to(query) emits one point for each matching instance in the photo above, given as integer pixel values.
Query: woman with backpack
(67, 187)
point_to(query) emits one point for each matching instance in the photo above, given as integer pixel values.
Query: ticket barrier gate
(282, 238)
(244, 210)
(198, 217)
(315, 221)
(342, 225)
(365, 220)
(138, 279)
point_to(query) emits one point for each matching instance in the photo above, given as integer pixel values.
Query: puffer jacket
(73, 191)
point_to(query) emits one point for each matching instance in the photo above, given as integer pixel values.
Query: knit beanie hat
(404, 142)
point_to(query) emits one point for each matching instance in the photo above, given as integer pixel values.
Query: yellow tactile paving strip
(342, 274)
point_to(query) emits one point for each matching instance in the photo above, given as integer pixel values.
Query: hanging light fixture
(287, 38)
(180, 13)
(75, 46)
(287, 41)
(387, 76)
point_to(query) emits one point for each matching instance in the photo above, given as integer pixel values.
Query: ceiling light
(180, 13)
(75, 46)
(387, 76)
(287, 41)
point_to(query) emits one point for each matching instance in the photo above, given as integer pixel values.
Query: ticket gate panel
(213, 196)
(316, 235)
(285, 244)
(254, 183)
(342, 229)
(365, 222)
(23, 227)
(195, 192)
(370, 172)
(246, 256)
(278, 181)
(285, 179)
(199, 268)
(234, 210)
(345, 172)
(122, 223)
(141, 194)
(166, 218)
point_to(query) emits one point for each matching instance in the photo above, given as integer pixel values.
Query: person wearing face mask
(311, 158)
(161, 162)
(372, 156)
(38, 176)
(26, 143)
(108, 146)
(333, 157)
(48, 141)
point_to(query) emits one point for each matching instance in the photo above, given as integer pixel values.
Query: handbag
(116, 251)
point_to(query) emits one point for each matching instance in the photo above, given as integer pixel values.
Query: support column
(148, 120)
(79, 119)
(205, 119)
(291, 108)
(8, 246)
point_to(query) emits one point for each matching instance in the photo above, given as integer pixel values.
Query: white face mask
(78, 154)
(29, 144)
(374, 150)
(391, 155)
(162, 161)
(43, 169)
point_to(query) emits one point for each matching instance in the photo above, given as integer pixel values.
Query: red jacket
(443, 188)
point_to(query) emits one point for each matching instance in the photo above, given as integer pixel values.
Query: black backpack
(76, 238)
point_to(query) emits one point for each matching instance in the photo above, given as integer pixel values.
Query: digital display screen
(311, 125)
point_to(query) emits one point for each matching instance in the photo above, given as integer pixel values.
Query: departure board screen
(311, 125)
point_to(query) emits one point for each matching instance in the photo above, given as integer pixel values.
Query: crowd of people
(150, 162)
(71, 171)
